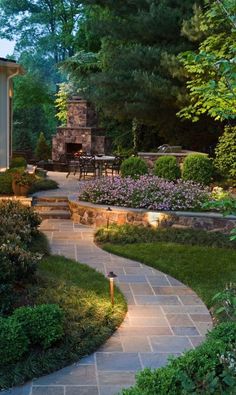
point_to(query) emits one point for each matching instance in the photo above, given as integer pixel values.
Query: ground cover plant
(149, 192)
(130, 234)
(53, 310)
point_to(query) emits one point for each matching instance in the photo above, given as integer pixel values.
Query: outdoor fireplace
(72, 148)
(80, 133)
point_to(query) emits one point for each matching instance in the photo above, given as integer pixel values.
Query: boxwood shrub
(167, 167)
(13, 341)
(133, 167)
(42, 324)
(198, 168)
(209, 369)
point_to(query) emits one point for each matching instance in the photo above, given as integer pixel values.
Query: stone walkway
(164, 318)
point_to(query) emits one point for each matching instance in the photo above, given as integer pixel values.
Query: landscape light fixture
(108, 219)
(111, 277)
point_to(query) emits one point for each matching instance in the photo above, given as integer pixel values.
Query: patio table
(100, 160)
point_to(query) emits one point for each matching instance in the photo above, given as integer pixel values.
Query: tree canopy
(211, 69)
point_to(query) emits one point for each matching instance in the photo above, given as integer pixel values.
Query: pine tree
(42, 151)
(128, 77)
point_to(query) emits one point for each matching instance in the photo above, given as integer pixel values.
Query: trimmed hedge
(209, 369)
(167, 167)
(198, 168)
(43, 324)
(133, 167)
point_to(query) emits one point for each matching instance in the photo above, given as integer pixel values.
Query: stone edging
(98, 215)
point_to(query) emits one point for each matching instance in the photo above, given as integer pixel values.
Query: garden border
(98, 215)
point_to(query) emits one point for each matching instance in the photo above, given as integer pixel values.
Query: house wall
(4, 121)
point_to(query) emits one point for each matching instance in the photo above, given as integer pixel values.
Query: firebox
(72, 148)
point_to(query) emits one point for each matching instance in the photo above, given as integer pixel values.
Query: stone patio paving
(164, 318)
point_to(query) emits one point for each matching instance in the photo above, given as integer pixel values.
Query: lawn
(204, 269)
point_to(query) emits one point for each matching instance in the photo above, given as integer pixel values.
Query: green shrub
(225, 332)
(18, 161)
(167, 167)
(24, 215)
(42, 324)
(43, 185)
(16, 264)
(7, 299)
(129, 234)
(6, 183)
(40, 244)
(225, 304)
(225, 152)
(133, 167)
(13, 341)
(198, 168)
(209, 369)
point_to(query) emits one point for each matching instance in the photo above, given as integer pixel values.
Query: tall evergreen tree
(134, 74)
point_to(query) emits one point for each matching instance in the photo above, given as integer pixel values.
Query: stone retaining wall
(22, 199)
(97, 215)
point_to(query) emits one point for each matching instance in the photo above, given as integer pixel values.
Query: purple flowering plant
(148, 192)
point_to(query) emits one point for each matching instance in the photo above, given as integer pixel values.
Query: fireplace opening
(72, 148)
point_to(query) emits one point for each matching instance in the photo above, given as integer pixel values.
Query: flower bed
(149, 192)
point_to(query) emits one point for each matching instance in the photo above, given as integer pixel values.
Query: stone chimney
(80, 114)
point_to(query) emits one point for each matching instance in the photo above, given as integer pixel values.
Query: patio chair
(113, 166)
(87, 165)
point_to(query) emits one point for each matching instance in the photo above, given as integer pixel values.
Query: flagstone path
(164, 318)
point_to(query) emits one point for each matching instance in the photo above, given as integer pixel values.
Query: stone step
(50, 199)
(54, 214)
(46, 206)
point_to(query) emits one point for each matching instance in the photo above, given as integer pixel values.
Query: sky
(6, 47)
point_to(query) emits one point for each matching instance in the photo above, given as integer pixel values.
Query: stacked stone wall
(97, 215)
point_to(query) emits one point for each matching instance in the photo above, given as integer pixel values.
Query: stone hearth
(81, 132)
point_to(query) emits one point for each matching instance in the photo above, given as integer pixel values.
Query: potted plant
(22, 182)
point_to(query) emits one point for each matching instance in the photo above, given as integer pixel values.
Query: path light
(111, 277)
(108, 219)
